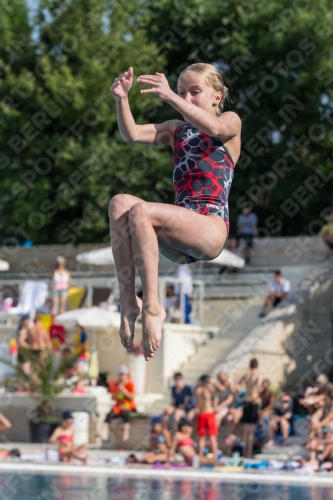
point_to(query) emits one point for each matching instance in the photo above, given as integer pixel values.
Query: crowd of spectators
(256, 416)
(34, 343)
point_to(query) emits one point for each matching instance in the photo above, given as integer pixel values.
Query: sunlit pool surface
(65, 486)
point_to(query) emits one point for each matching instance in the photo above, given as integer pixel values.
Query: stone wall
(18, 408)
(41, 258)
(294, 342)
(298, 250)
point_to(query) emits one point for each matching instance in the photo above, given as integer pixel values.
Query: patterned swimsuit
(203, 172)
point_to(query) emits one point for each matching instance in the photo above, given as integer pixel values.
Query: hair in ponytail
(214, 79)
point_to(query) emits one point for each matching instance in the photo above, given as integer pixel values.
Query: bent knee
(120, 204)
(137, 212)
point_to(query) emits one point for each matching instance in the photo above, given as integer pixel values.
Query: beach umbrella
(4, 266)
(227, 258)
(100, 257)
(91, 317)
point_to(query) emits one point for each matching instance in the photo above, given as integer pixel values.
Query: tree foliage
(61, 154)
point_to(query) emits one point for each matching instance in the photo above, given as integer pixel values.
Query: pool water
(16, 486)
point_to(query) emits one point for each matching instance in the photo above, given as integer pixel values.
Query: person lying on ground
(64, 437)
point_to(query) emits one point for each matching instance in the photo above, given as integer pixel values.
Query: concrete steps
(235, 320)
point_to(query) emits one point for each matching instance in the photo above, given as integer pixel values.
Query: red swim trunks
(206, 424)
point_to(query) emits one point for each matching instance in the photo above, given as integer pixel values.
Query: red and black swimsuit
(203, 172)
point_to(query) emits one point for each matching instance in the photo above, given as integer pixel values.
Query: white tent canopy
(101, 257)
(91, 317)
(4, 266)
(227, 258)
(104, 257)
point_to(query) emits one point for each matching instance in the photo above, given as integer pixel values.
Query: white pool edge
(277, 477)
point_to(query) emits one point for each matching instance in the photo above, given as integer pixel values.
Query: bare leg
(328, 452)
(152, 458)
(202, 442)
(126, 432)
(269, 299)
(122, 253)
(186, 231)
(179, 413)
(284, 426)
(191, 414)
(248, 440)
(62, 304)
(81, 448)
(220, 414)
(272, 426)
(55, 301)
(168, 413)
(78, 456)
(213, 441)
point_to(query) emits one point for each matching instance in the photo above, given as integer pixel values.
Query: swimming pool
(65, 486)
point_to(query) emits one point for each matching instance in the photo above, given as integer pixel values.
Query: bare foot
(152, 331)
(86, 459)
(129, 313)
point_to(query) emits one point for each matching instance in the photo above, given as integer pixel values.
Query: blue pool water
(15, 486)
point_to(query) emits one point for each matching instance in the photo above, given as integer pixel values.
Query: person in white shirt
(60, 283)
(278, 291)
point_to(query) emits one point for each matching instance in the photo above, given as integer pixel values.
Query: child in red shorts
(206, 421)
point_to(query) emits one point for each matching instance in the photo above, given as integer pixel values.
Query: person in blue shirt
(247, 228)
(182, 404)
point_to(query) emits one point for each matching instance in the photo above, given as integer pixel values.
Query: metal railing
(197, 299)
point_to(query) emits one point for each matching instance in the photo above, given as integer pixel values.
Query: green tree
(62, 156)
(72, 159)
(277, 62)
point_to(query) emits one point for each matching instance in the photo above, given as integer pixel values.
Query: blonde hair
(213, 78)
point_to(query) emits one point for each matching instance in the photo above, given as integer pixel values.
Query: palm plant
(47, 377)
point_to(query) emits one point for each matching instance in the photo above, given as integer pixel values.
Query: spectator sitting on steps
(182, 404)
(64, 436)
(160, 443)
(123, 391)
(281, 420)
(278, 291)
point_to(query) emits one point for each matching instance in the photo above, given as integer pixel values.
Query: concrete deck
(103, 463)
